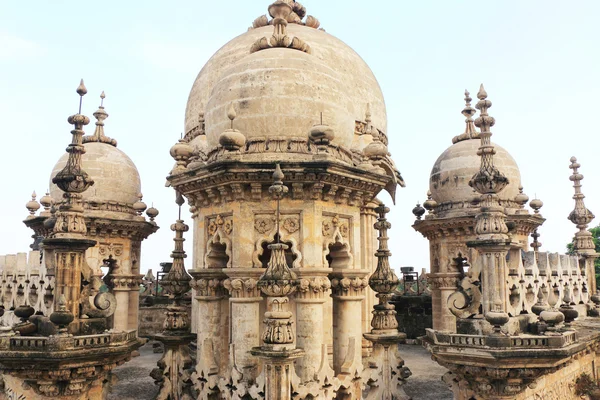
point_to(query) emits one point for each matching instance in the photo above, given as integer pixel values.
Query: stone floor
(425, 382)
(134, 382)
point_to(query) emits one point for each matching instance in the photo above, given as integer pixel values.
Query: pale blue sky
(539, 60)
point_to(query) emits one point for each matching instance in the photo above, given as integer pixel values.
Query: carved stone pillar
(442, 286)
(134, 302)
(311, 293)
(210, 296)
(66, 257)
(348, 292)
(368, 217)
(245, 315)
(121, 287)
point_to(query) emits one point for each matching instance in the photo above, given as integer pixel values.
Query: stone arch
(260, 245)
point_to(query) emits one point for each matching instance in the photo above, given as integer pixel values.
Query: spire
(468, 112)
(580, 215)
(98, 135)
(177, 281)
(72, 179)
(489, 180)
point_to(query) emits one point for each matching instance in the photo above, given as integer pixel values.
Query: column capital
(444, 280)
(242, 283)
(313, 285)
(349, 284)
(125, 282)
(208, 284)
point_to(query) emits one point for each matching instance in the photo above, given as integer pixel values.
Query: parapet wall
(24, 279)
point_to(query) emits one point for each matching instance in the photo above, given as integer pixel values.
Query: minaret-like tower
(171, 373)
(452, 222)
(492, 241)
(66, 246)
(583, 243)
(72, 358)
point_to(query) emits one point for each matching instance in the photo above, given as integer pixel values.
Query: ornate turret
(176, 336)
(581, 216)
(51, 363)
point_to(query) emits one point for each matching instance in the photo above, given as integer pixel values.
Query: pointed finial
(368, 114)
(468, 112)
(430, 204)
(32, 206)
(278, 190)
(99, 135)
(231, 114)
(482, 94)
(81, 91)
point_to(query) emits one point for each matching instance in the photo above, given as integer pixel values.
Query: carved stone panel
(265, 230)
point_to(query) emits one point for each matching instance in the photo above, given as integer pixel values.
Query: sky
(539, 61)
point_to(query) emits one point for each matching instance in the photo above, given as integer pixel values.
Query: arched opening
(461, 264)
(290, 257)
(339, 257)
(217, 255)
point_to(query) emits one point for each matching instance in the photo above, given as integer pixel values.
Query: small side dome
(451, 173)
(117, 183)
(115, 175)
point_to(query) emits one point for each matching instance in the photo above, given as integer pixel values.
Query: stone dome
(116, 179)
(451, 173)
(283, 91)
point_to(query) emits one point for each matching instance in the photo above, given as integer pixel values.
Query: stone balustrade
(24, 279)
(63, 343)
(555, 275)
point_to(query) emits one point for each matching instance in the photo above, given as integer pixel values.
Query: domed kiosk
(450, 223)
(113, 210)
(285, 93)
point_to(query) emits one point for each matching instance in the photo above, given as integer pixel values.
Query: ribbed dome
(116, 179)
(282, 91)
(451, 173)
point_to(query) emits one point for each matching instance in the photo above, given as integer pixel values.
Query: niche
(216, 256)
(339, 256)
(461, 265)
(265, 257)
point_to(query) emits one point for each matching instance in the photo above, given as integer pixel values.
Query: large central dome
(283, 91)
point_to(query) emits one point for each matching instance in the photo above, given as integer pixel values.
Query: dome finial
(232, 139)
(81, 91)
(99, 135)
(32, 206)
(231, 114)
(282, 13)
(470, 131)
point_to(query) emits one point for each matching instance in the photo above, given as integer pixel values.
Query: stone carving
(291, 224)
(219, 229)
(264, 224)
(281, 11)
(239, 288)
